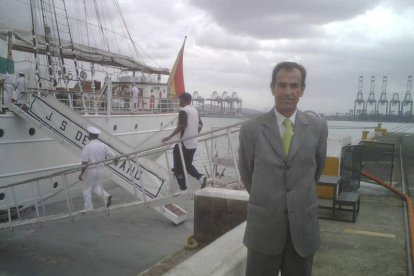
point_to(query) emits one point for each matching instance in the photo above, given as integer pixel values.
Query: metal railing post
(213, 171)
(8, 209)
(140, 181)
(68, 198)
(170, 178)
(41, 198)
(209, 159)
(234, 156)
(15, 203)
(132, 179)
(36, 204)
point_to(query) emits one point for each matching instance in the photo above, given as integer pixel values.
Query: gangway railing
(70, 129)
(48, 206)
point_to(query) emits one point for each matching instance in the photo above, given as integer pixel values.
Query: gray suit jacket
(282, 189)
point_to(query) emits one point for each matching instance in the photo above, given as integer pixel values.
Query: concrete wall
(217, 211)
(224, 256)
(219, 220)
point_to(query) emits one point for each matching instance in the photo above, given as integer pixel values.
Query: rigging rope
(62, 60)
(35, 44)
(98, 16)
(47, 33)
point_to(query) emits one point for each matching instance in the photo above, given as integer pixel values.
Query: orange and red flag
(176, 80)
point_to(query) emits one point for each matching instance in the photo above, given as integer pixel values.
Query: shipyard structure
(397, 108)
(224, 104)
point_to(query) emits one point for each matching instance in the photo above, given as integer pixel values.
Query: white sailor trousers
(9, 93)
(91, 184)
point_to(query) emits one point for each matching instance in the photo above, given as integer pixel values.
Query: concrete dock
(126, 242)
(374, 245)
(138, 240)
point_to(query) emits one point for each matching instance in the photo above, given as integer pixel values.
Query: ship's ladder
(69, 128)
(65, 202)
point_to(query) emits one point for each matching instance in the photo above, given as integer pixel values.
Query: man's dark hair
(186, 97)
(288, 66)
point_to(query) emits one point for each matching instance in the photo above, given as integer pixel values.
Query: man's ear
(302, 91)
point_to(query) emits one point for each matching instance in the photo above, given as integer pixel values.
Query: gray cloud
(269, 19)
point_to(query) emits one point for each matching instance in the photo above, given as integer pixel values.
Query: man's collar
(280, 118)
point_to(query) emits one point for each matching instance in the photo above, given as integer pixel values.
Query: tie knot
(287, 122)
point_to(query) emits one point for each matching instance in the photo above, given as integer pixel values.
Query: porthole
(161, 124)
(115, 127)
(1, 132)
(32, 131)
(136, 126)
(55, 185)
(2, 196)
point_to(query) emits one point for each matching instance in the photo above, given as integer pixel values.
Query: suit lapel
(272, 134)
(300, 128)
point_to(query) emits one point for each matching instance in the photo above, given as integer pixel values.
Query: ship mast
(62, 73)
(47, 34)
(35, 45)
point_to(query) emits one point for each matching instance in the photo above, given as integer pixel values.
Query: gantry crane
(199, 101)
(407, 103)
(395, 104)
(383, 98)
(371, 102)
(359, 100)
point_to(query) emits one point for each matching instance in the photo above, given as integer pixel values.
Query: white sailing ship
(70, 65)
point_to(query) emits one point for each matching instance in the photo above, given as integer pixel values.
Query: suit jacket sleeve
(246, 156)
(321, 152)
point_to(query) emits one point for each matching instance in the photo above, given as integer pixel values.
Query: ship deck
(137, 240)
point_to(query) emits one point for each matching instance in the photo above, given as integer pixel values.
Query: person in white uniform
(134, 100)
(8, 89)
(94, 151)
(21, 89)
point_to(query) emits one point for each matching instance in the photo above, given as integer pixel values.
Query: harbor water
(220, 146)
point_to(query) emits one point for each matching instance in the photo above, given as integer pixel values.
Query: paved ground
(375, 244)
(125, 243)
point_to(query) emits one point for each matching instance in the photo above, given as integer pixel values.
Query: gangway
(69, 128)
(42, 210)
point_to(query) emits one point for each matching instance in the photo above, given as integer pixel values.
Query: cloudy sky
(233, 45)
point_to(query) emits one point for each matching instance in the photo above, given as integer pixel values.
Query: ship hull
(28, 153)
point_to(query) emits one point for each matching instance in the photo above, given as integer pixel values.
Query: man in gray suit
(280, 162)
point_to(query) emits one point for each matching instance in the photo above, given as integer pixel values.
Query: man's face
(287, 89)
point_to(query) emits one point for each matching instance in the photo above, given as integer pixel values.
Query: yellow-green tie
(287, 135)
